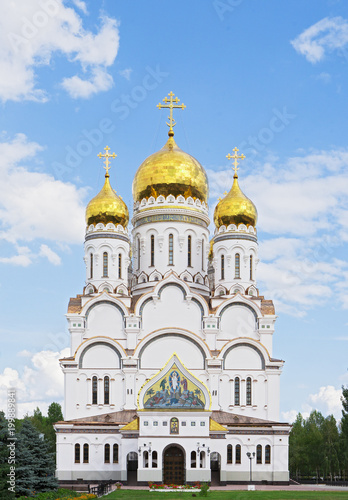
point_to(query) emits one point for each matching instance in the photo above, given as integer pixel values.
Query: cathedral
(171, 376)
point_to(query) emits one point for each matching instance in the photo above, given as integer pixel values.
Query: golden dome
(170, 171)
(235, 208)
(107, 207)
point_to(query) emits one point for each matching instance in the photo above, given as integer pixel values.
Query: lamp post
(251, 456)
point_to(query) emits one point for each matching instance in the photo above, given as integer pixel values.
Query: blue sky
(269, 77)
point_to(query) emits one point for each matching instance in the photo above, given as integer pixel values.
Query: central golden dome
(235, 208)
(107, 207)
(170, 171)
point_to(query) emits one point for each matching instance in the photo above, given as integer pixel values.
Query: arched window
(189, 251)
(154, 459)
(202, 460)
(251, 268)
(91, 266)
(105, 265)
(107, 454)
(94, 391)
(248, 391)
(202, 254)
(138, 252)
(146, 459)
(85, 453)
(236, 391)
(115, 454)
(222, 267)
(174, 425)
(238, 454)
(259, 454)
(106, 390)
(119, 266)
(229, 453)
(152, 250)
(77, 453)
(237, 265)
(267, 454)
(193, 459)
(171, 249)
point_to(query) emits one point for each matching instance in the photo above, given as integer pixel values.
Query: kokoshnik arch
(171, 376)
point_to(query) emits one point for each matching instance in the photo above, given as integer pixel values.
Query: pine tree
(35, 470)
(344, 429)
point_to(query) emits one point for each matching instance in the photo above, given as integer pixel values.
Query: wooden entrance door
(173, 467)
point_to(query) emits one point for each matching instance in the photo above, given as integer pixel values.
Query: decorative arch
(233, 302)
(226, 350)
(104, 301)
(90, 346)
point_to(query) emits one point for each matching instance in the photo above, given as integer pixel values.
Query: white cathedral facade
(171, 376)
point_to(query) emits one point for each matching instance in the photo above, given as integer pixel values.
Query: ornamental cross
(235, 157)
(171, 103)
(107, 156)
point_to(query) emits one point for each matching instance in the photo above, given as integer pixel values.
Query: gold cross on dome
(107, 156)
(235, 157)
(171, 103)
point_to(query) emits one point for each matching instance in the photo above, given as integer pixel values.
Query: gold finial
(171, 104)
(235, 157)
(107, 156)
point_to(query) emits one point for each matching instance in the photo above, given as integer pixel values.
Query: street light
(251, 456)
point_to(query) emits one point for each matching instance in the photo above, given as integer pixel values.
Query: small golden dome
(170, 171)
(235, 208)
(107, 207)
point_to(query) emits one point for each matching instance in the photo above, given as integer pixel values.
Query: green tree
(331, 440)
(297, 458)
(344, 430)
(36, 467)
(313, 440)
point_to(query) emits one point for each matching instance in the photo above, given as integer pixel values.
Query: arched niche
(100, 355)
(154, 354)
(105, 318)
(243, 357)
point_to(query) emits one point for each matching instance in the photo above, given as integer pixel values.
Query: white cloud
(324, 77)
(35, 206)
(326, 35)
(303, 214)
(32, 33)
(126, 73)
(40, 382)
(328, 401)
(81, 5)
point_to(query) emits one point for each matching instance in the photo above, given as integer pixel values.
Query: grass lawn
(230, 495)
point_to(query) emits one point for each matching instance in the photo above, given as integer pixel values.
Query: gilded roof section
(215, 426)
(132, 426)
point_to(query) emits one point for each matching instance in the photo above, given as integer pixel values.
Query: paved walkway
(261, 487)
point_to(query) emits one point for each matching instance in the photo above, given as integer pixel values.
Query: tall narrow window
(259, 454)
(174, 425)
(189, 251)
(248, 391)
(267, 454)
(236, 391)
(251, 268)
(238, 454)
(85, 453)
(138, 252)
(119, 266)
(146, 459)
(171, 250)
(105, 264)
(77, 453)
(106, 390)
(154, 459)
(115, 454)
(91, 266)
(237, 266)
(193, 459)
(202, 254)
(229, 453)
(202, 460)
(152, 250)
(222, 267)
(94, 391)
(107, 454)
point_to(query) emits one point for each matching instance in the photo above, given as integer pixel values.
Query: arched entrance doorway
(174, 465)
(215, 466)
(132, 468)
